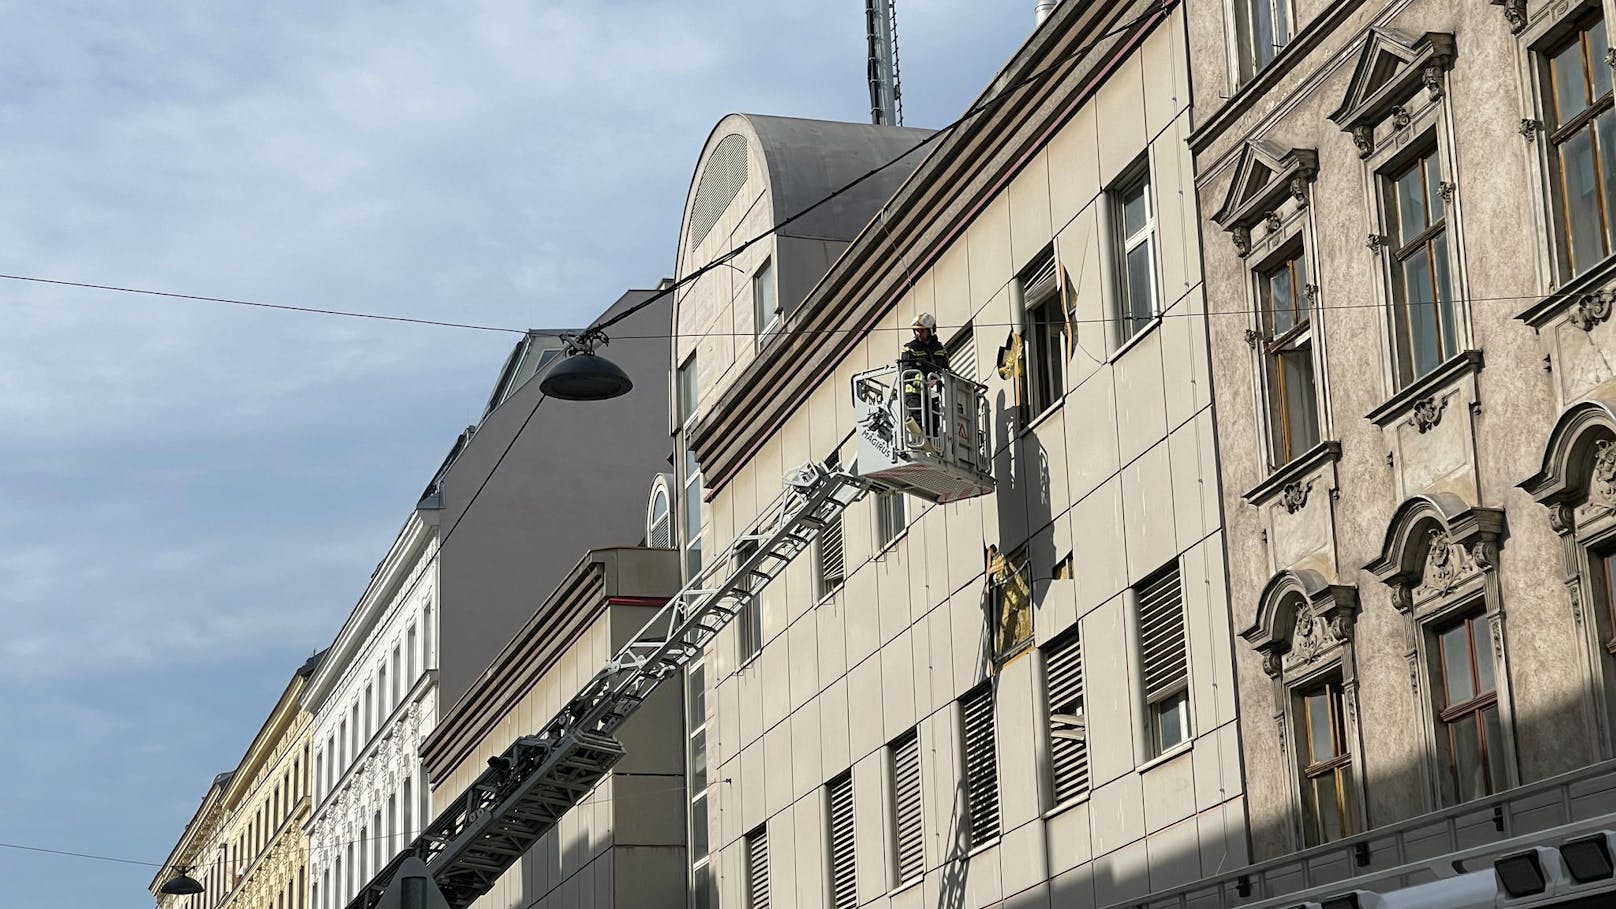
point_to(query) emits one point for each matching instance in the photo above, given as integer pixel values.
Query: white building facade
(1024, 699)
(374, 700)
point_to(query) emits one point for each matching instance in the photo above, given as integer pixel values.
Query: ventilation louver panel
(720, 183)
(1038, 280)
(832, 557)
(1068, 741)
(911, 846)
(1161, 634)
(962, 356)
(843, 872)
(757, 869)
(981, 765)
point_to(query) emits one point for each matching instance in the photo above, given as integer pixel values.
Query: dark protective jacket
(928, 355)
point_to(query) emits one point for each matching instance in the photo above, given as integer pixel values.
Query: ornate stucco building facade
(1022, 699)
(1408, 237)
(246, 843)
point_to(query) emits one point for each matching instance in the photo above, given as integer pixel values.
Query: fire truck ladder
(525, 791)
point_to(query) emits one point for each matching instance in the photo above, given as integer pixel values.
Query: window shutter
(911, 847)
(843, 872)
(1038, 279)
(962, 356)
(1162, 650)
(981, 765)
(1068, 740)
(757, 868)
(832, 557)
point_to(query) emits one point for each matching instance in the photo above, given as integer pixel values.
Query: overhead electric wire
(349, 313)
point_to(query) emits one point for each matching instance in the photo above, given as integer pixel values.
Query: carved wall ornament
(1445, 189)
(1299, 190)
(1574, 592)
(1311, 293)
(1610, 57)
(1401, 118)
(1432, 76)
(1447, 563)
(1497, 628)
(1272, 663)
(1242, 240)
(1529, 127)
(1279, 723)
(1364, 138)
(1602, 478)
(1272, 222)
(1294, 495)
(1414, 675)
(1427, 413)
(1375, 242)
(1562, 518)
(1590, 309)
(1314, 635)
(1515, 15)
(1252, 337)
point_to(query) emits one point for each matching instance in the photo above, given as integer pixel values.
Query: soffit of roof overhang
(956, 180)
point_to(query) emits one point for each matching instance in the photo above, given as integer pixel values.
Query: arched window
(1577, 483)
(1304, 631)
(1440, 559)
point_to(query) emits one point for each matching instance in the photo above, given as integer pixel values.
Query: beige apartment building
(246, 845)
(1025, 698)
(1407, 248)
(623, 844)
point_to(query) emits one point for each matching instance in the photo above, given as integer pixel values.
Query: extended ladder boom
(527, 789)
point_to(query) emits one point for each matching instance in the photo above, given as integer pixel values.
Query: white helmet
(924, 320)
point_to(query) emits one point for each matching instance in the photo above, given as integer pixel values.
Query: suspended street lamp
(583, 375)
(181, 884)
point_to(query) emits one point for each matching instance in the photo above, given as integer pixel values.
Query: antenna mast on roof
(886, 100)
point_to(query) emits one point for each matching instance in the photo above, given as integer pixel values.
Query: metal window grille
(843, 871)
(1068, 738)
(906, 809)
(981, 765)
(757, 869)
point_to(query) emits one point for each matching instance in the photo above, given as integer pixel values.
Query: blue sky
(196, 492)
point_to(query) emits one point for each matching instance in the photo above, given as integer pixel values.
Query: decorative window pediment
(1578, 478)
(1391, 67)
(1264, 178)
(1437, 545)
(1301, 621)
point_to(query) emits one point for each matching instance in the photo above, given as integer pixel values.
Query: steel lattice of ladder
(525, 791)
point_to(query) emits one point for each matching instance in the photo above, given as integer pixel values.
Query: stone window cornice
(1391, 67)
(1265, 179)
(1302, 623)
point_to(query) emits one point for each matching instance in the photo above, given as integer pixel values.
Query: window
(354, 735)
(375, 843)
(1326, 764)
(891, 517)
(1134, 219)
(1068, 734)
(1287, 344)
(843, 870)
(1164, 658)
(692, 522)
(397, 676)
(696, 722)
(1424, 327)
(1582, 136)
(749, 621)
(659, 520)
(765, 305)
(757, 869)
(343, 737)
(909, 846)
(392, 824)
(1262, 30)
(688, 390)
(429, 655)
(384, 704)
(1468, 731)
(1047, 330)
(981, 765)
(370, 712)
(407, 827)
(409, 652)
(1603, 563)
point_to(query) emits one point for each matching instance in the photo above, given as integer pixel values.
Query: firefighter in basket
(921, 363)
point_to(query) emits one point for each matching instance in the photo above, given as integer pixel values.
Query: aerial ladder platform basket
(924, 434)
